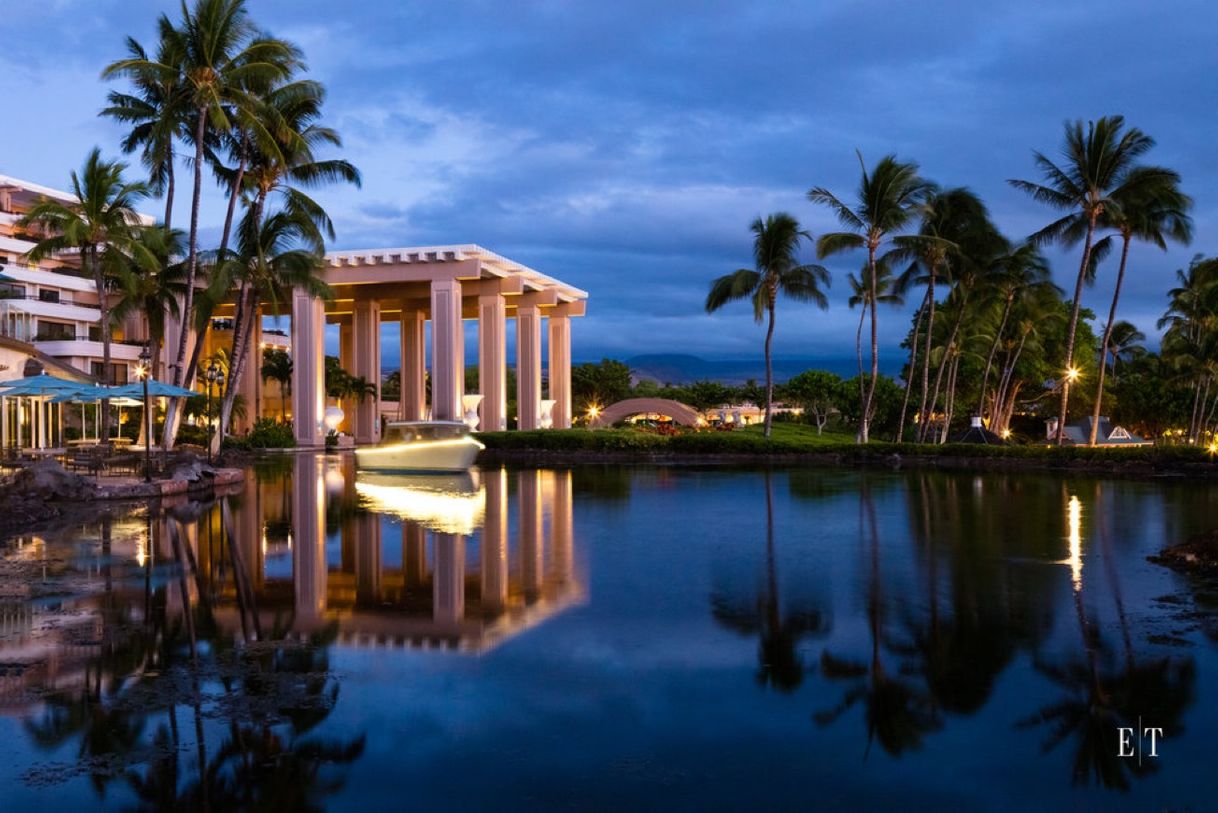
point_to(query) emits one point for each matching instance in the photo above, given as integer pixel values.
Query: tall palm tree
(102, 225)
(288, 165)
(887, 291)
(951, 222)
(155, 115)
(888, 197)
(282, 253)
(1150, 207)
(216, 53)
(1017, 272)
(1098, 159)
(777, 269)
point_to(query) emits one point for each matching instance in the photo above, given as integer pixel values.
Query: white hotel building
(52, 308)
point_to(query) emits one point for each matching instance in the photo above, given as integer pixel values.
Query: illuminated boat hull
(450, 454)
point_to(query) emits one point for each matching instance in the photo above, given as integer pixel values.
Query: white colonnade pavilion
(447, 286)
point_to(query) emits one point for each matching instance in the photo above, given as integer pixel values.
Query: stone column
(413, 370)
(251, 380)
(492, 362)
(560, 370)
(309, 537)
(528, 367)
(447, 350)
(308, 369)
(528, 492)
(366, 358)
(448, 585)
(494, 543)
(346, 354)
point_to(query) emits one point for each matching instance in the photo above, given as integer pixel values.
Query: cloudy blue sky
(626, 146)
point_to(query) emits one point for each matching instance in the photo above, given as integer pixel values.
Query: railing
(31, 298)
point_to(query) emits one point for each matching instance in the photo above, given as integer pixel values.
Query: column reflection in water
(528, 486)
(309, 527)
(495, 544)
(444, 593)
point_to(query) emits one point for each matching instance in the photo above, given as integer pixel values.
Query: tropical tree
(282, 253)
(277, 366)
(1149, 206)
(215, 53)
(101, 224)
(953, 221)
(1124, 343)
(1098, 160)
(777, 269)
(155, 115)
(888, 197)
(885, 291)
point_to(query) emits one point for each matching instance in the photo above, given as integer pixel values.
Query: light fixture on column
(547, 413)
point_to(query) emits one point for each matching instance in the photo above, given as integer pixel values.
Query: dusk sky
(625, 147)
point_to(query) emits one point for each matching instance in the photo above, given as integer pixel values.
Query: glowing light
(593, 411)
(334, 416)
(1073, 374)
(140, 371)
(1006, 434)
(1213, 447)
(1075, 520)
(452, 504)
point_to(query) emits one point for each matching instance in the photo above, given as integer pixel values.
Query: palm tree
(216, 53)
(1149, 206)
(887, 291)
(1098, 161)
(887, 200)
(288, 163)
(1018, 272)
(1124, 342)
(273, 257)
(101, 223)
(951, 222)
(277, 365)
(154, 114)
(153, 295)
(775, 244)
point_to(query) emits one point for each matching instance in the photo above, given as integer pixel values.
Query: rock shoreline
(45, 491)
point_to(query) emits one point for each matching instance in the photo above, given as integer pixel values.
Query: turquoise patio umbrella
(35, 387)
(156, 389)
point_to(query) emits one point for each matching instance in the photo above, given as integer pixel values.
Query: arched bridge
(679, 412)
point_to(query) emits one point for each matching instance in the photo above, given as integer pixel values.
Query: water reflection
(182, 655)
(317, 638)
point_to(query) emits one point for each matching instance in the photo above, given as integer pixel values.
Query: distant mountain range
(676, 368)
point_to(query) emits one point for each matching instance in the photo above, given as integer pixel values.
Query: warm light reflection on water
(1075, 519)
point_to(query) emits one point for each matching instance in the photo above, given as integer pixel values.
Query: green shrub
(195, 435)
(269, 433)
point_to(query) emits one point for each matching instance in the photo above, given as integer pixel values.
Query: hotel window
(48, 295)
(118, 373)
(54, 331)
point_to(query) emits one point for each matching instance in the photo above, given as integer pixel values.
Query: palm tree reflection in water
(1102, 692)
(257, 697)
(779, 663)
(897, 711)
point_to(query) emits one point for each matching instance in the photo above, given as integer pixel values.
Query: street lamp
(144, 371)
(1072, 374)
(214, 375)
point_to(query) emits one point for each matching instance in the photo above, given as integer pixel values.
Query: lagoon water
(614, 638)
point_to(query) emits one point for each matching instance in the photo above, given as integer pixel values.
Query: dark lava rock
(47, 480)
(1198, 555)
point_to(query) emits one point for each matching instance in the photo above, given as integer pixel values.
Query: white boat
(421, 446)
